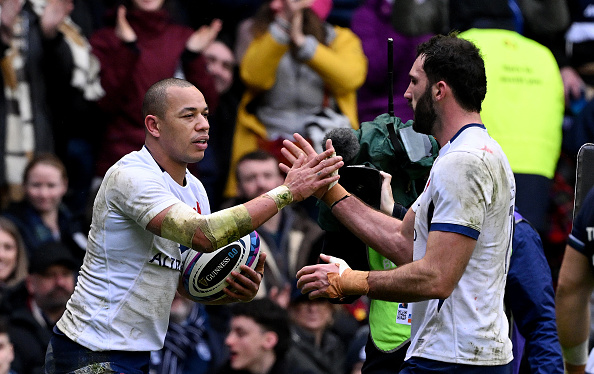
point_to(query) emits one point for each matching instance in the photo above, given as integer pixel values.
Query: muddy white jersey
(470, 191)
(129, 276)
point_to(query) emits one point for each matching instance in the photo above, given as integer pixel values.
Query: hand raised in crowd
(205, 35)
(281, 296)
(572, 84)
(310, 173)
(387, 197)
(123, 30)
(293, 14)
(53, 15)
(10, 11)
(292, 152)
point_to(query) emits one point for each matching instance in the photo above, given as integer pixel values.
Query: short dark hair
(459, 63)
(271, 317)
(155, 99)
(258, 155)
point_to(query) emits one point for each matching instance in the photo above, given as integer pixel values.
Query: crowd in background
(74, 73)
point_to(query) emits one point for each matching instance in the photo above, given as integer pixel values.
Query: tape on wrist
(281, 196)
(577, 355)
(335, 194)
(351, 282)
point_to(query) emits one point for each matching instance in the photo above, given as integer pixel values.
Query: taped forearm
(220, 228)
(281, 196)
(576, 357)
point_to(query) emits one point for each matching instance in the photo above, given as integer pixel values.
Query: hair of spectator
(45, 159)
(271, 317)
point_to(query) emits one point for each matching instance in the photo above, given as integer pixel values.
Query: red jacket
(128, 70)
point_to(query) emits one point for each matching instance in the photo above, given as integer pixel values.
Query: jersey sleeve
(462, 189)
(138, 193)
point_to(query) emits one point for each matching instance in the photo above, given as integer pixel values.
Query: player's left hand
(245, 284)
(314, 279)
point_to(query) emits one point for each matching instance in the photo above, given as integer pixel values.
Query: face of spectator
(312, 315)
(148, 5)
(247, 342)
(52, 289)
(277, 6)
(183, 133)
(257, 177)
(6, 353)
(220, 63)
(45, 187)
(8, 255)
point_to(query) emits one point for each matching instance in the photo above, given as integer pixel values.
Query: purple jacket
(371, 22)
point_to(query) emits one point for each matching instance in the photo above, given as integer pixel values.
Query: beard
(425, 116)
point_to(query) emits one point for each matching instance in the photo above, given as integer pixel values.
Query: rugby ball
(204, 274)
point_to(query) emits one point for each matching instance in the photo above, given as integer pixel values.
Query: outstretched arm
(389, 236)
(183, 225)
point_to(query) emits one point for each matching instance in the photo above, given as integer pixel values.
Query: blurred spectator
(316, 346)
(35, 305)
(259, 340)
(298, 71)
(214, 167)
(13, 256)
(42, 217)
(43, 49)
(231, 12)
(290, 239)
(372, 22)
(190, 346)
(6, 348)
(143, 48)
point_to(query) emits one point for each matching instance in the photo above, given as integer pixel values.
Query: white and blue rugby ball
(204, 274)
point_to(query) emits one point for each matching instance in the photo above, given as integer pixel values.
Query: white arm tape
(220, 228)
(577, 355)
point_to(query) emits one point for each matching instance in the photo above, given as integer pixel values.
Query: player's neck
(176, 170)
(453, 122)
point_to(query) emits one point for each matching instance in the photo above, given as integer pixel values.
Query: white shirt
(129, 276)
(471, 191)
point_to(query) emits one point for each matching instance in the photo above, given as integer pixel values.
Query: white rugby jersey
(471, 191)
(129, 276)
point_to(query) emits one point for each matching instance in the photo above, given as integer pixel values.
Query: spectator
(295, 67)
(259, 340)
(13, 256)
(6, 348)
(34, 306)
(143, 48)
(43, 49)
(190, 345)
(42, 217)
(316, 346)
(576, 283)
(290, 239)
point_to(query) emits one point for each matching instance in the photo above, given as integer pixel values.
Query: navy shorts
(65, 356)
(423, 365)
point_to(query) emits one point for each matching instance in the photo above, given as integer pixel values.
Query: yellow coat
(342, 66)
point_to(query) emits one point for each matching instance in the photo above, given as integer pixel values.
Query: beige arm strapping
(220, 228)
